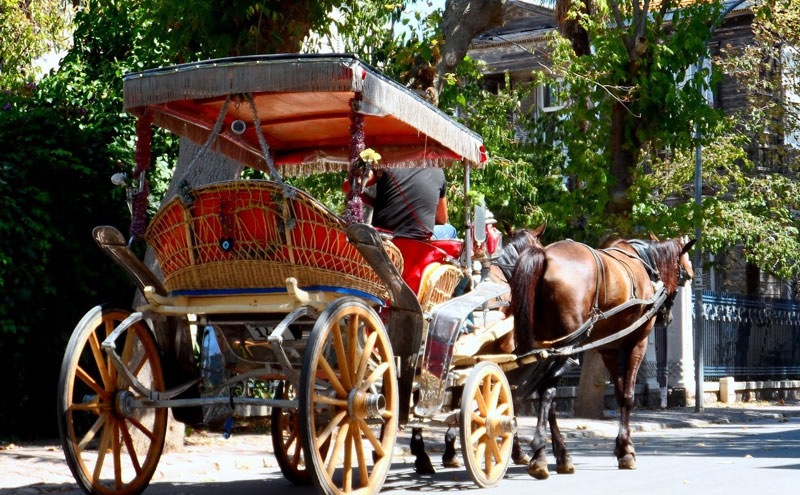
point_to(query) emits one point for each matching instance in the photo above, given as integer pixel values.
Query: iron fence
(750, 338)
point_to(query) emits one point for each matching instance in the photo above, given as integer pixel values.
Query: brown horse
(567, 298)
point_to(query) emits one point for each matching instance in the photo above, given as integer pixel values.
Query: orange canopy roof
(301, 106)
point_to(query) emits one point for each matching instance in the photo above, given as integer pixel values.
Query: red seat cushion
(452, 247)
(416, 256)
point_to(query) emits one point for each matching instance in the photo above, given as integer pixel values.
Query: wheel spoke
(366, 357)
(363, 473)
(100, 361)
(341, 357)
(494, 449)
(353, 356)
(337, 447)
(298, 449)
(332, 378)
(347, 471)
(126, 436)
(481, 403)
(488, 456)
(495, 395)
(375, 376)
(142, 428)
(92, 432)
(477, 434)
(480, 450)
(102, 448)
(477, 418)
(333, 401)
(376, 444)
(289, 440)
(90, 382)
(326, 433)
(116, 451)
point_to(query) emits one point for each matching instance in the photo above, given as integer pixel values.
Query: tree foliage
(28, 30)
(61, 141)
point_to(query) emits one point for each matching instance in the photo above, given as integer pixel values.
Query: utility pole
(698, 257)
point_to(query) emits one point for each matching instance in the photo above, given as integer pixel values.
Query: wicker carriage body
(245, 236)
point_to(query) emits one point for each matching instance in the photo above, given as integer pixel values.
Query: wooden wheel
(487, 424)
(110, 448)
(286, 441)
(349, 399)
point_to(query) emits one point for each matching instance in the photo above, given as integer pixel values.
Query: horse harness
(565, 345)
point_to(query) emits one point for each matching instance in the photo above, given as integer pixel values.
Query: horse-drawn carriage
(256, 281)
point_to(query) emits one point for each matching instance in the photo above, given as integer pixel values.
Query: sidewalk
(40, 468)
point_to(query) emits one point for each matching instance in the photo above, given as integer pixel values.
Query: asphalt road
(731, 451)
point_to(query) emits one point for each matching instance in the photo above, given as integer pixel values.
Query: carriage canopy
(301, 108)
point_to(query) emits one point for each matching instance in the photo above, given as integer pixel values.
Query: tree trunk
(210, 168)
(590, 398)
(622, 162)
(462, 21)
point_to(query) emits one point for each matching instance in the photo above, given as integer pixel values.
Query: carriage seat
(426, 263)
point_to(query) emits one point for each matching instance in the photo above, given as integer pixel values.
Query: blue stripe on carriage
(278, 290)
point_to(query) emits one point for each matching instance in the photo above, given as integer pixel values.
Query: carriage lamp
(238, 127)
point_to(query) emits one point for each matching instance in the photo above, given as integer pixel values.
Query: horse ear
(538, 231)
(686, 247)
(653, 237)
(509, 230)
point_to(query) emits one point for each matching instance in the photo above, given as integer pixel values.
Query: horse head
(518, 241)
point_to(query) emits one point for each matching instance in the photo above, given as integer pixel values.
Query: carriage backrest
(250, 234)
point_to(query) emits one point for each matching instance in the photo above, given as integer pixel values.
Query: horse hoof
(424, 466)
(628, 461)
(565, 468)
(451, 462)
(538, 470)
(521, 459)
(518, 456)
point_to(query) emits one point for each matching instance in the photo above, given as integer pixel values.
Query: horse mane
(519, 241)
(662, 255)
(665, 256)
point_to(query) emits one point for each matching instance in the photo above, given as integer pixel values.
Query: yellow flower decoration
(370, 155)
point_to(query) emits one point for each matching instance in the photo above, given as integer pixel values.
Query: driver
(412, 203)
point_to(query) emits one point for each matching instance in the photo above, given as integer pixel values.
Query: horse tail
(527, 272)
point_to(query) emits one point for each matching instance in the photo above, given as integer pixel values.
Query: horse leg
(564, 463)
(623, 369)
(449, 458)
(518, 456)
(422, 463)
(538, 465)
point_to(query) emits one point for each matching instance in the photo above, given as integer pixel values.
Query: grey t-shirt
(406, 200)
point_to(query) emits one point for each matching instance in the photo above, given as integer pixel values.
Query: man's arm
(441, 211)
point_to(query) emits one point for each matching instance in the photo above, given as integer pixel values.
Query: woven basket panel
(437, 285)
(246, 234)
